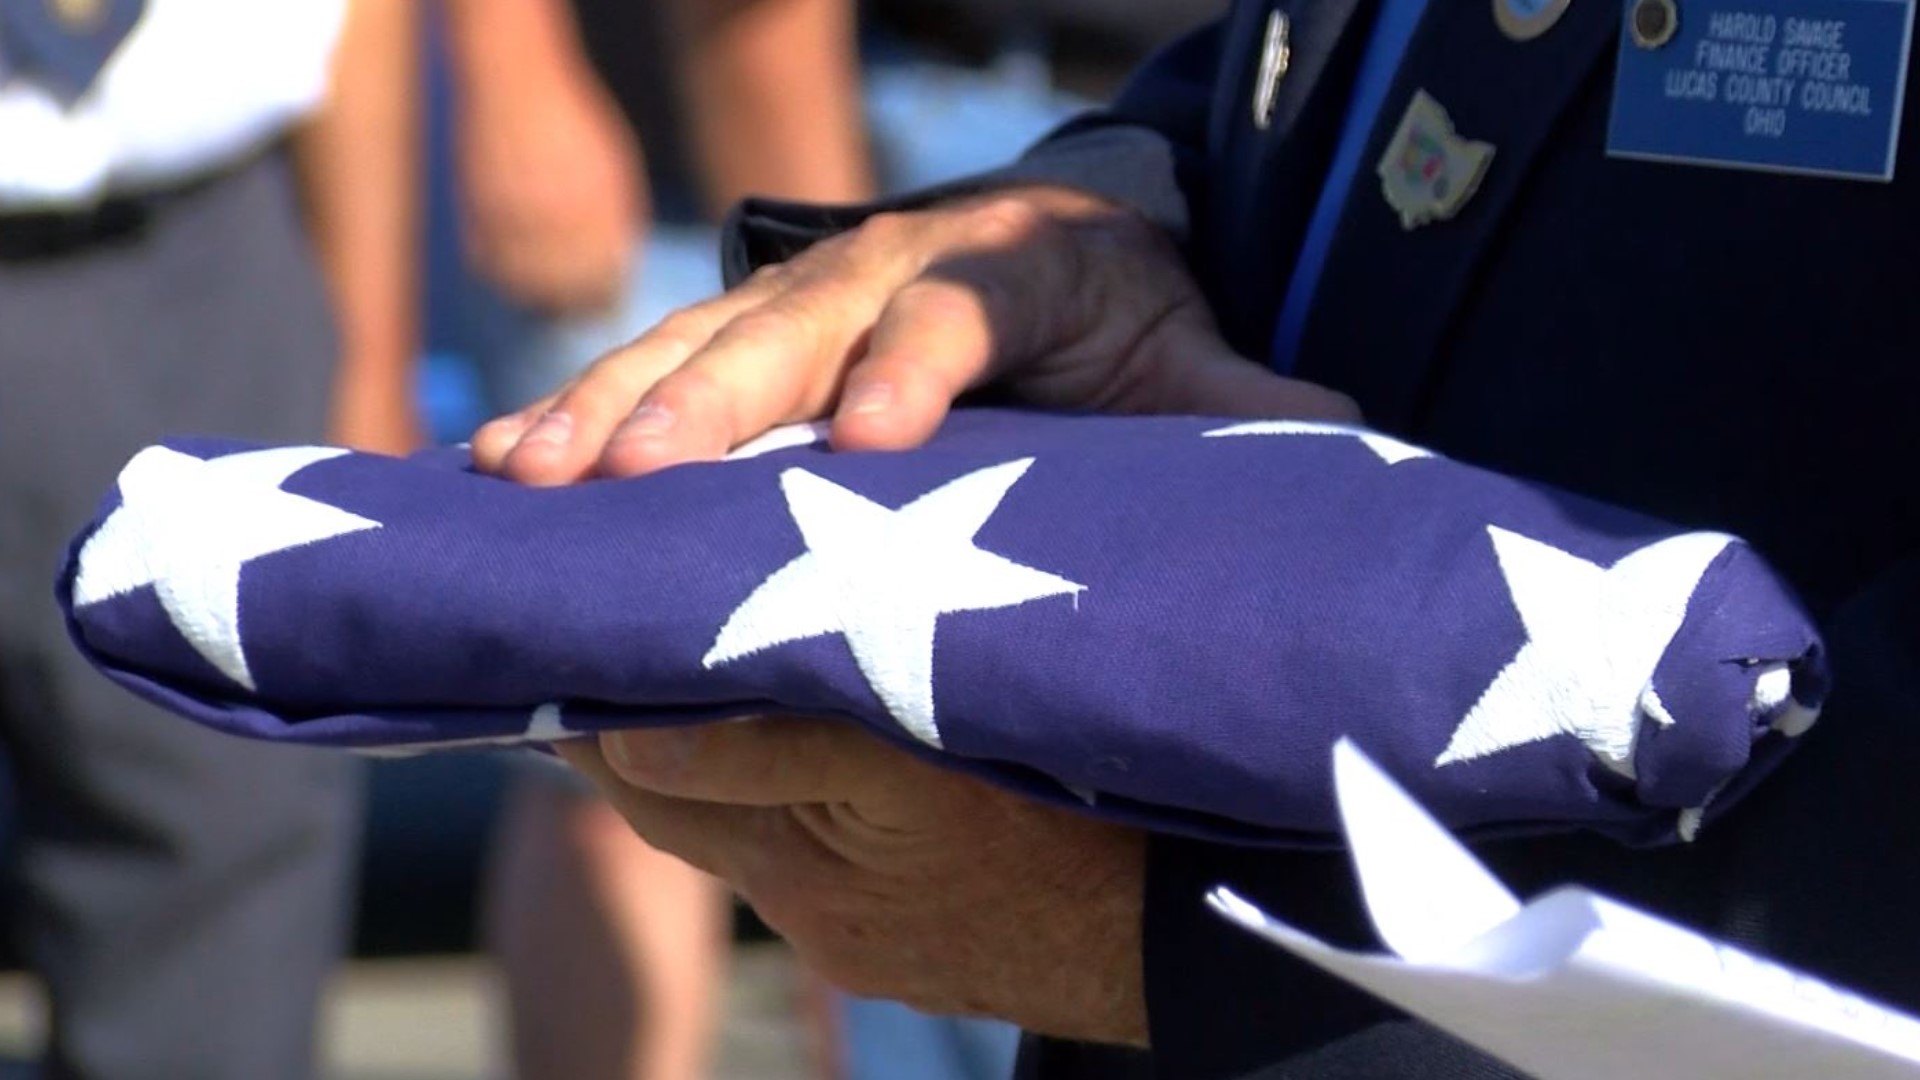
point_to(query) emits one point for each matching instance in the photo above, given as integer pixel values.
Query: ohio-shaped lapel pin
(1428, 171)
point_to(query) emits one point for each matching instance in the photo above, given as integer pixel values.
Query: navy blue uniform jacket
(1723, 349)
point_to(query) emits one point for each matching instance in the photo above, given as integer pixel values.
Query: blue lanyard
(1392, 31)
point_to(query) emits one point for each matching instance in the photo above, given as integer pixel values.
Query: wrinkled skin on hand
(892, 877)
(1063, 299)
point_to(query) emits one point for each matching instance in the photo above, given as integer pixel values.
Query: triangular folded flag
(1572, 985)
(1168, 620)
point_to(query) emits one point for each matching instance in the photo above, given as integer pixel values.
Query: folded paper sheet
(1574, 986)
(1168, 618)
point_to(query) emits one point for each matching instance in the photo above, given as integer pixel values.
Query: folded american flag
(1170, 620)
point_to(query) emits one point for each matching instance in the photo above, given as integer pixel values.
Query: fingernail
(555, 428)
(614, 745)
(866, 398)
(647, 421)
(510, 424)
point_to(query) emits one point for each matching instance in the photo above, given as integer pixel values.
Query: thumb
(1195, 372)
(767, 761)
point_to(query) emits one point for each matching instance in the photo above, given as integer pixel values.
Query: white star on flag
(187, 526)
(1595, 635)
(1391, 450)
(881, 578)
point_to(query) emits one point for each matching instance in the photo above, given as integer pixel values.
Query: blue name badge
(1800, 86)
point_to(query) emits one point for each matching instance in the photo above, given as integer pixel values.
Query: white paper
(1574, 986)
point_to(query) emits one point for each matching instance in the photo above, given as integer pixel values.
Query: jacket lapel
(1387, 294)
(1264, 181)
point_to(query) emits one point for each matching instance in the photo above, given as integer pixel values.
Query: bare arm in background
(773, 90)
(614, 953)
(551, 175)
(358, 160)
(551, 186)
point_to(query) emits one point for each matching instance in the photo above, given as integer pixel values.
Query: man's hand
(895, 878)
(549, 171)
(1066, 299)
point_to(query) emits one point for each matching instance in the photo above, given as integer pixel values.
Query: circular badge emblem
(1653, 23)
(1524, 20)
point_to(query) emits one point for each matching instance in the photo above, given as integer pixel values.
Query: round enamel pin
(1524, 20)
(1653, 23)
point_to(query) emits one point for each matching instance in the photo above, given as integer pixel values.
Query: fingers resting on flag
(563, 437)
(1069, 300)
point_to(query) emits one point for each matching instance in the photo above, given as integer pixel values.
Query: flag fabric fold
(1166, 621)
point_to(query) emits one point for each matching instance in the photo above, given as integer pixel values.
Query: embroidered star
(1391, 450)
(1594, 637)
(881, 578)
(187, 526)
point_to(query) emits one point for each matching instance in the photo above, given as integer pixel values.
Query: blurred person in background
(581, 155)
(165, 267)
(592, 146)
